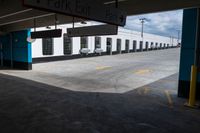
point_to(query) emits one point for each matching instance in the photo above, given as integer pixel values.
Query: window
(135, 42)
(47, 46)
(134, 45)
(109, 41)
(127, 45)
(109, 45)
(68, 43)
(119, 41)
(97, 42)
(84, 42)
(127, 42)
(156, 44)
(152, 45)
(147, 45)
(141, 45)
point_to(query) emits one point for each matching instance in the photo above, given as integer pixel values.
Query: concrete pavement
(112, 74)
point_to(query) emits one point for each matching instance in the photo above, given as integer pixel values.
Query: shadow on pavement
(32, 107)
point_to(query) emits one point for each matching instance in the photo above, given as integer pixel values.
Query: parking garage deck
(31, 105)
(27, 106)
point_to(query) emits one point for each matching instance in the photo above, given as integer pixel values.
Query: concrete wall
(122, 34)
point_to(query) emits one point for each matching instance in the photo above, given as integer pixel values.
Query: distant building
(125, 42)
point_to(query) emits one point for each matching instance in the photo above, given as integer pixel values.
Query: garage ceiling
(13, 16)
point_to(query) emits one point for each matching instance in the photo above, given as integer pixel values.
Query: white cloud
(163, 23)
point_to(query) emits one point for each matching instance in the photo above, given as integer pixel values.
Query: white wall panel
(122, 34)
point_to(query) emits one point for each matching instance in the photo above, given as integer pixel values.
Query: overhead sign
(88, 9)
(93, 30)
(46, 34)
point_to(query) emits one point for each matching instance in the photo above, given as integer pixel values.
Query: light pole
(142, 20)
(178, 36)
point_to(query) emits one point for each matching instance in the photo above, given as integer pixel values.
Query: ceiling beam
(20, 17)
(135, 7)
(11, 6)
(40, 22)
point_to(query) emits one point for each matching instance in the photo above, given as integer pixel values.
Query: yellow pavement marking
(169, 98)
(139, 91)
(103, 67)
(142, 71)
(143, 91)
(146, 90)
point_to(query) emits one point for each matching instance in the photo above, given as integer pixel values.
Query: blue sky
(163, 23)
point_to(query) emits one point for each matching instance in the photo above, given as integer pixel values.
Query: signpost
(88, 9)
(93, 30)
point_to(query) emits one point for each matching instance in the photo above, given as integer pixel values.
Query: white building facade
(126, 41)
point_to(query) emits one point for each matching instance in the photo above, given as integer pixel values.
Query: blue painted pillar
(187, 52)
(16, 50)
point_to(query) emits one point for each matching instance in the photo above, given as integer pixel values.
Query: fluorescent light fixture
(114, 1)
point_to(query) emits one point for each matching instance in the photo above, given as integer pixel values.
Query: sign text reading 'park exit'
(88, 9)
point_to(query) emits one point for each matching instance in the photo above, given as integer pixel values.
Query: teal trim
(29, 48)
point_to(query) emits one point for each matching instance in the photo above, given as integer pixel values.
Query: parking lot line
(142, 71)
(167, 93)
(103, 67)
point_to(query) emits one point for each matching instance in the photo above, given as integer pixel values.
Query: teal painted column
(22, 57)
(187, 52)
(17, 51)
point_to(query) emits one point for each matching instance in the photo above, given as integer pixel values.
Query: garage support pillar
(16, 51)
(188, 52)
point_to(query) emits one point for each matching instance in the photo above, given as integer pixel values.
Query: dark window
(134, 45)
(127, 45)
(152, 45)
(97, 42)
(156, 44)
(47, 46)
(127, 42)
(84, 42)
(160, 44)
(141, 45)
(109, 41)
(135, 42)
(109, 45)
(119, 42)
(147, 45)
(68, 43)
